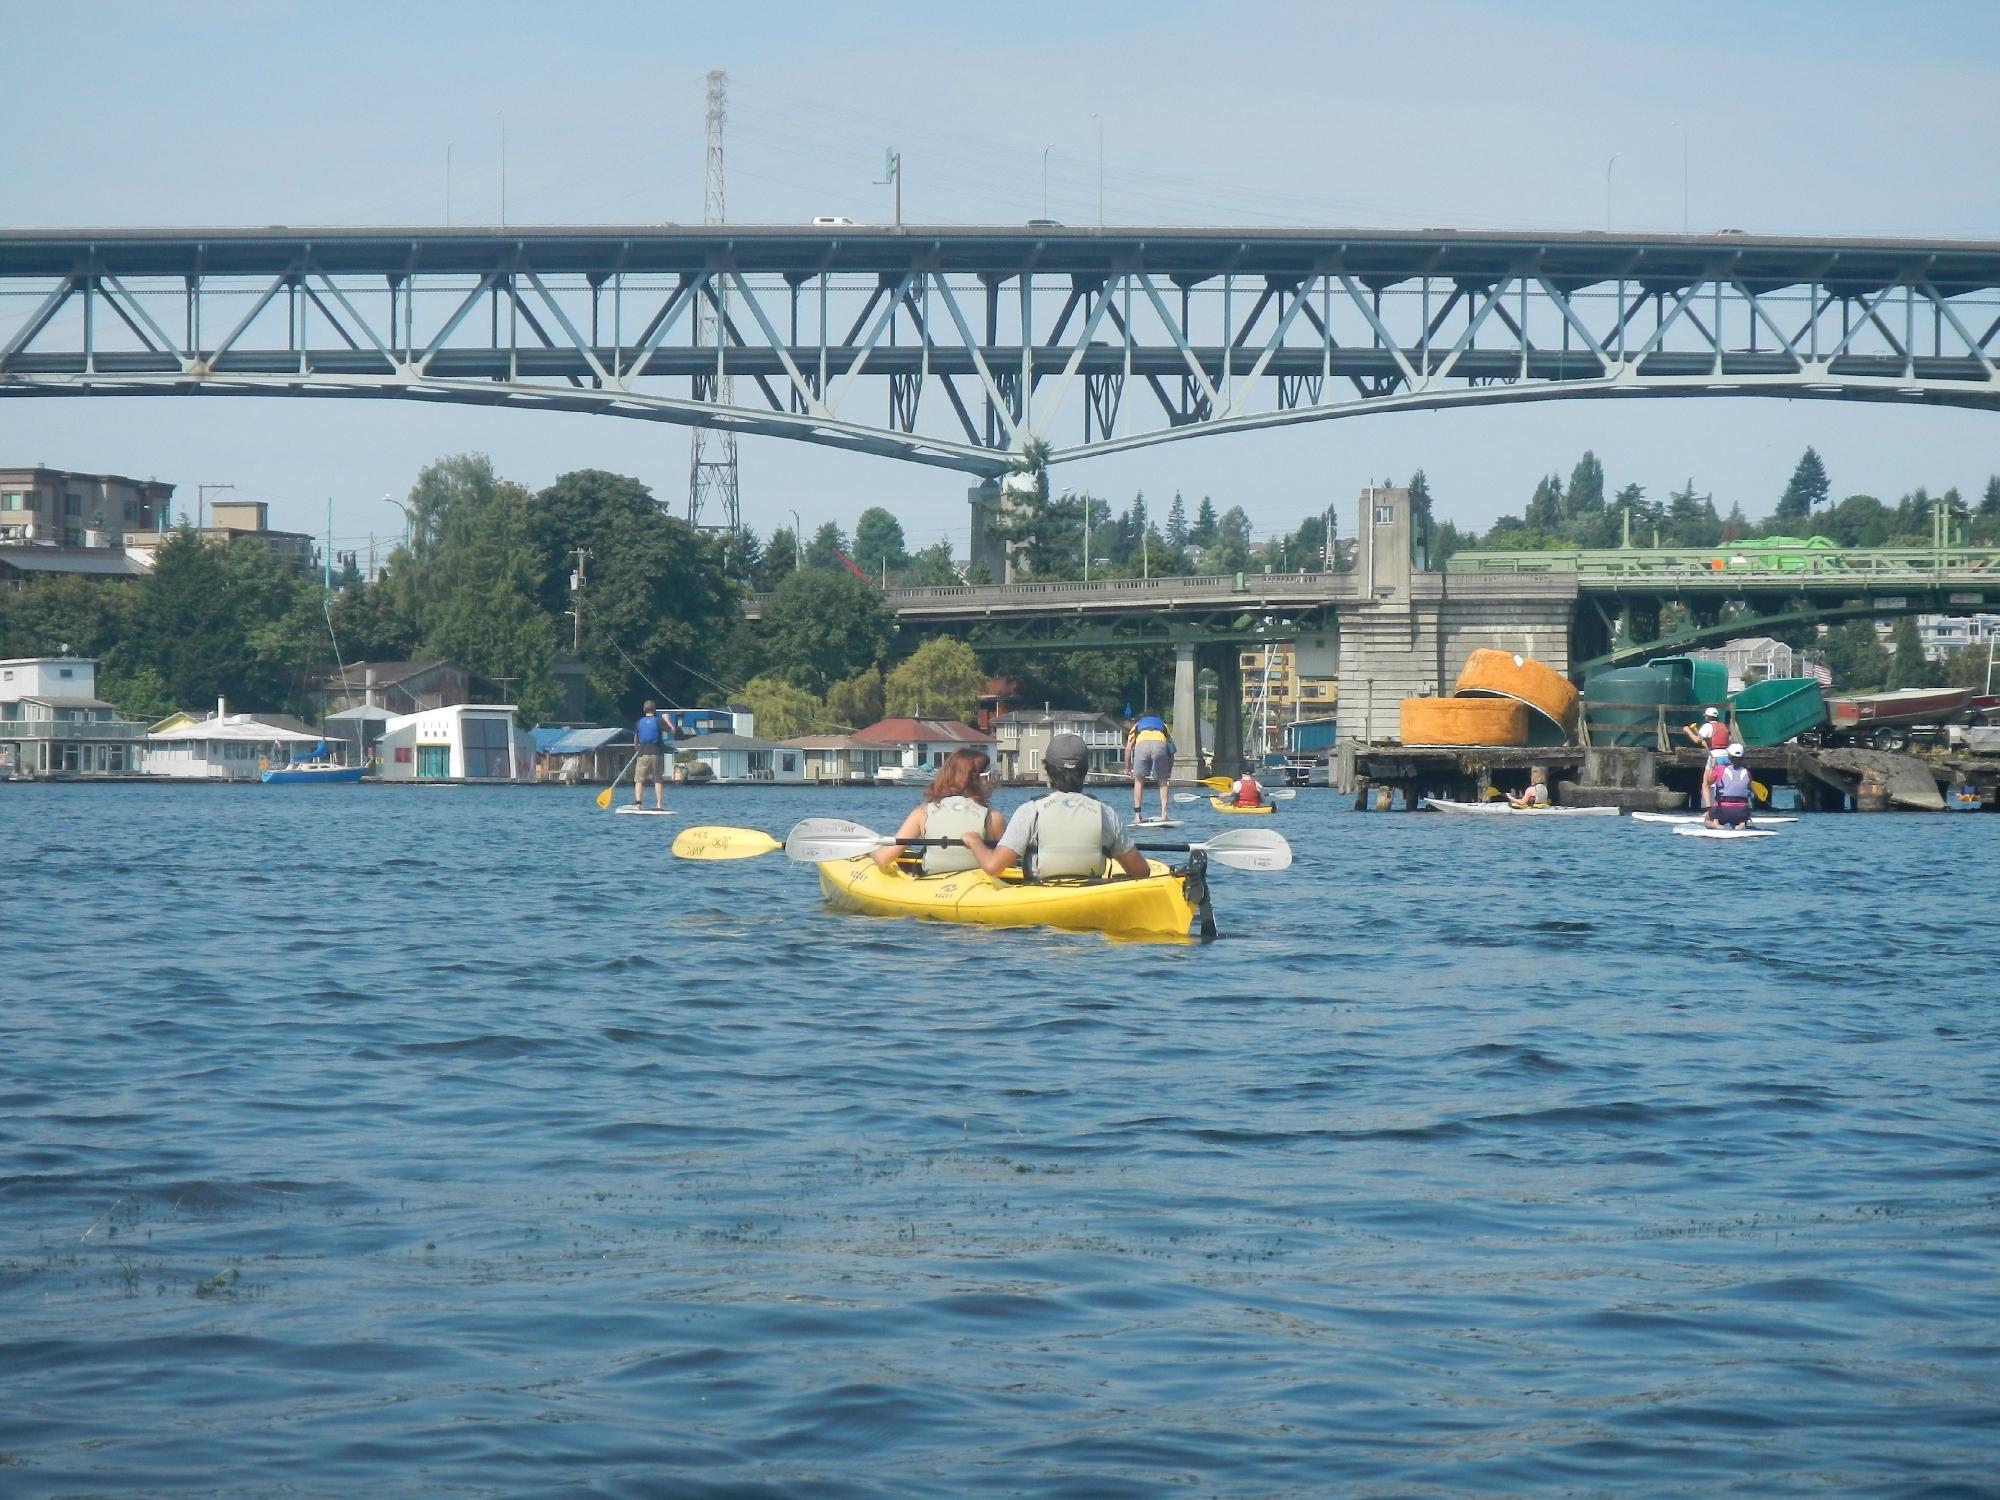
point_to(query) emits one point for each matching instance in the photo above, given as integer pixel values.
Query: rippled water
(457, 1141)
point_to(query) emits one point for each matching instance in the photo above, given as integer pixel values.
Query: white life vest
(1069, 836)
(1734, 784)
(947, 820)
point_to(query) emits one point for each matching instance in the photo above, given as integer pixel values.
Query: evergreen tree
(825, 543)
(1643, 515)
(1202, 533)
(1691, 520)
(1177, 526)
(1545, 508)
(1989, 503)
(1855, 657)
(1907, 666)
(1583, 502)
(1807, 489)
(878, 542)
(778, 559)
(931, 567)
(742, 554)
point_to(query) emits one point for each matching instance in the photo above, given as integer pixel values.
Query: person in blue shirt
(1150, 753)
(653, 739)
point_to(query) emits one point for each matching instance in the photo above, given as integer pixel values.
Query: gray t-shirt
(1021, 830)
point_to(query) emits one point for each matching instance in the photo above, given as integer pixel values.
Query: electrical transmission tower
(712, 466)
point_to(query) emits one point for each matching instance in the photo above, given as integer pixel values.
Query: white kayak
(645, 812)
(1489, 809)
(1699, 832)
(1691, 818)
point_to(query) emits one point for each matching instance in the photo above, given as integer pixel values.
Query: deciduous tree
(940, 679)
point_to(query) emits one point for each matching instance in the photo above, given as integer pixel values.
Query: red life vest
(1248, 794)
(1715, 734)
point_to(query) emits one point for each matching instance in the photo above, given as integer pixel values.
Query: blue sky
(1830, 117)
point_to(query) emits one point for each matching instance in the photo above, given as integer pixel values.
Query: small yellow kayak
(1219, 805)
(1156, 905)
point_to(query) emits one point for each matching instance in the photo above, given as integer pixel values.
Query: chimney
(368, 688)
(221, 707)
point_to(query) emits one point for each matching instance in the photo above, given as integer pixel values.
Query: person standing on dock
(1149, 751)
(1732, 793)
(1713, 736)
(651, 736)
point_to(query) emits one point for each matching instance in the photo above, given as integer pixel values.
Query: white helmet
(1736, 752)
(1710, 713)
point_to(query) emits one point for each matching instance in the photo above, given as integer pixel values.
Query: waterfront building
(575, 753)
(914, 748)
(738, 757)
(227, 521)
(1286, 680)
(839, 759)
(1020, 737)
(1943, 634)
(60, 508)
(456, 742)
(52, 723)
(401, 687)
(223, 746)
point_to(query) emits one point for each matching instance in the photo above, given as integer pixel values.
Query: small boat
(1906, 706)
(1261, 809)
(1156, 905)
(311, 772)
(1498, 809)
(1725, 833)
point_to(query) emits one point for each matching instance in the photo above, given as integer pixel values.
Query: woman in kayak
(955, 803)
(1248, 792)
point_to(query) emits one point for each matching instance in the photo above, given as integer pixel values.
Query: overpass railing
(1744, 562)
(1250, 588)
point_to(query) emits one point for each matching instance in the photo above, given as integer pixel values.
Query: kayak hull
(1154, 906)
(1502, 809)
(1262, 809)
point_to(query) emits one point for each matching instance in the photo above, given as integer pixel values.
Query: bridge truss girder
(1137, 631)
(954, 347)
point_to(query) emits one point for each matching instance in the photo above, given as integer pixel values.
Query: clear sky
(1798, 117)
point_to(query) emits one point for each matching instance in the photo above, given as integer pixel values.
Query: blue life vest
(648, 730)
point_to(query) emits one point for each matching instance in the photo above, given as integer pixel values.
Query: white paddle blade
(1249, 849)
(818, 840)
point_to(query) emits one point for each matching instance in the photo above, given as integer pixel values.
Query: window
(1385, 515)
(72, 505)
(13, 500)
(433, 761)
(487, 754)
(131, 511)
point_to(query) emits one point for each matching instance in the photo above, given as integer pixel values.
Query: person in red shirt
(1713, 736)
(1248, 793)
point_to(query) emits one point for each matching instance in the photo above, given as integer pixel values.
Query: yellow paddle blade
(604, 799)
(1217, 783)
(1761, 792)
(723, 843)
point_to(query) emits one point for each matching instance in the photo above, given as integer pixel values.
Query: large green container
(1777, 709)
(1705, 683)
(1622, 706)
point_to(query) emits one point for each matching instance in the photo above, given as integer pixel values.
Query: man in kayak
(1149, 751)
(1064, 835)
(956, 801)
(1248, 792)
(1713, 736)
(651, 737)
(1537, 794)
(1731, 808)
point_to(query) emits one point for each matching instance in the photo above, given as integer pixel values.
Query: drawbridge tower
(712, 464)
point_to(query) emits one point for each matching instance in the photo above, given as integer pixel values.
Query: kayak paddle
(1283, 794)
(819, 840)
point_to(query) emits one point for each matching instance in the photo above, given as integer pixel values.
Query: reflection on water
(360, 1139)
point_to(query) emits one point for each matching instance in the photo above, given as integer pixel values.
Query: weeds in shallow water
(222, 1284)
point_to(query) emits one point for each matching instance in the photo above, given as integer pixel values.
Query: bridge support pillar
(1228, 666)
(1187, 717)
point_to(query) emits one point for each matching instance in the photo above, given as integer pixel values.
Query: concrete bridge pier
(1187, 717)
(1226, 661)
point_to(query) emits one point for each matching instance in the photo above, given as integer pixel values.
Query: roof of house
(921, 732)
(48, 702)
(565, 739)
(1027, 717)
(361, 711)
(239, 727)
(724, 742)
(387, 673)
(107, 561)
(827, 742)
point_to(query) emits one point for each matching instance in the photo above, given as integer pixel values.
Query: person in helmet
(1731, 808)
(1065, 835)
(1712, 734)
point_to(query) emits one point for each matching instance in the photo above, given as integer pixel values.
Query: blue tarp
(558, 740)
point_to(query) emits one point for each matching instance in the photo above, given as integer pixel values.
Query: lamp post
(1100, 169)
(1677, 125)
(1045, 177)
(200, 503)
(798, 544)
(407, 523)
(1607, 188)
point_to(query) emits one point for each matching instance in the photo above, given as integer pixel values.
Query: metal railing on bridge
(1739, 564)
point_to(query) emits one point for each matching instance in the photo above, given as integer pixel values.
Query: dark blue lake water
(440, 1141)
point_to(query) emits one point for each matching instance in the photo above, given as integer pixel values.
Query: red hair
(959, 777)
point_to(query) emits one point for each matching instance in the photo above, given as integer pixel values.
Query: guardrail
(1749, 562)
(1071, 591)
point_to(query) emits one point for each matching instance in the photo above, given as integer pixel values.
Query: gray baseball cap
(1067, 750)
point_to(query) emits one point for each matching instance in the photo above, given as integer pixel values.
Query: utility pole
(712, 463)
(892, 172)
(201, 503)
(576, 600)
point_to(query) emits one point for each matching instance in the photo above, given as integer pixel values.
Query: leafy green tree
(1230, 551)
(828, 541)
(931, 567)
(1859, 521)
(1643, 513)
(92, 615)
(941, 679)
(190, 631)
(1545, 507)
(779, 559)
(742, 555)
(857, 702)
(878, 542)
(140, 695)
(1907, 665)
(1855, 657)
(1806, 491)
(822, 627)
(780, 709)
(370, 624)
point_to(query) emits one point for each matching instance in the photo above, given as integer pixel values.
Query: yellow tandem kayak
(1156, 905)
(1230, 807)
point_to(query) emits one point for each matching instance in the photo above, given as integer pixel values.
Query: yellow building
(1289, 680)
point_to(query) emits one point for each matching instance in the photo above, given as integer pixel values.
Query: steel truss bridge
(1618, 594)
(956, 346)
